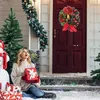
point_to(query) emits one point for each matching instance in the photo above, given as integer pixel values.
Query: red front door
(69, 49)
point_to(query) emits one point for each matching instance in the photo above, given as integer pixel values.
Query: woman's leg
(24, 94)
(36, 91)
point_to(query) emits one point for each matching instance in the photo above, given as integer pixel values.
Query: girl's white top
(18, 72)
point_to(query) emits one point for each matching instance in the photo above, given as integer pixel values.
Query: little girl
(17, 74)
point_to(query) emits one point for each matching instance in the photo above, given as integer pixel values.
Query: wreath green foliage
(34, 23)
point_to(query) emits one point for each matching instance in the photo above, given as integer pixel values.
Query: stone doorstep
(67, 78)
(63, 74)
(70, 88)
(66, 82)
(56, 80)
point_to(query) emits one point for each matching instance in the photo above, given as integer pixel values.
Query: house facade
(67, 52)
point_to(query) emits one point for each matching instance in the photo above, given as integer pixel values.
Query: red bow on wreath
(69, 18)
(70, 27)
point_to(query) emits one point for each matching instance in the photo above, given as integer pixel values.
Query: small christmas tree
(96, 73)
(11, 35)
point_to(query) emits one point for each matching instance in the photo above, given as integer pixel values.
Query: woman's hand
(36, 74)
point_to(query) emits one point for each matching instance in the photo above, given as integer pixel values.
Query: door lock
(54, 33)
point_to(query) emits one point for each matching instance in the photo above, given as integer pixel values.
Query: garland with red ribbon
(69, 18)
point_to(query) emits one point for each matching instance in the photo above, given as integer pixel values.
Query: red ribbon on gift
(31, 75)
(9, 87)
(0, 85)
(70, 27)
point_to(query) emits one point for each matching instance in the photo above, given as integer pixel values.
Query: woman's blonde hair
(19, 59)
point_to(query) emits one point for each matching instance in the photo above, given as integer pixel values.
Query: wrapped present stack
(31, 75)
(11, 92)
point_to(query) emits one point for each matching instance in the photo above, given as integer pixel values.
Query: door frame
(51, 40)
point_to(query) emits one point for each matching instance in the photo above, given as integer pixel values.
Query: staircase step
(68, 88)
(67, 81)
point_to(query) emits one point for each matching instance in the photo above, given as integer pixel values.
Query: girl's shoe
(49, 95)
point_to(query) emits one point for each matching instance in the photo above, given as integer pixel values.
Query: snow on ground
(74, 95)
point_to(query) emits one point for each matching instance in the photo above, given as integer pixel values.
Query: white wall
(44, 19)
(33, 40)
(93, 34)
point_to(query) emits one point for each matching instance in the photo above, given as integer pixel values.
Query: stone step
(70, 88)
(67, 81)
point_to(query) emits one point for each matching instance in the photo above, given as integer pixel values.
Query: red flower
(68, 10)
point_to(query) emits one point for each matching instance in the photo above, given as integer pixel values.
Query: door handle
(54, 31)
(76, 45)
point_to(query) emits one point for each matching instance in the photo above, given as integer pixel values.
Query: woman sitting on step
(18, 78)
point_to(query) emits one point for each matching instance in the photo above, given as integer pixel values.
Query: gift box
(9, 87)
(8, 95)
(11, 92)
(13, 88)
(2, 85)
(31, 75)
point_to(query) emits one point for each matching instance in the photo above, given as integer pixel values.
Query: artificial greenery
(96, 73)
(35, 59)
(34, 23)
(11, 35)
(98, 58)
(34, 56)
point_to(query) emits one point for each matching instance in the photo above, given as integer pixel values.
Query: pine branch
(93, 72)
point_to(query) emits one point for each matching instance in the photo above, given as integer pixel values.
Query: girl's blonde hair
(19, 59)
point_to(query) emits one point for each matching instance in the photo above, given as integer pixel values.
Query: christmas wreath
(69, 18)
(34, 23)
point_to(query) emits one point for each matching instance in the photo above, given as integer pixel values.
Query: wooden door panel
(61, 64)
(77, 58)
(78, 39)
(62, 40)
(78, 61)
(69, 49)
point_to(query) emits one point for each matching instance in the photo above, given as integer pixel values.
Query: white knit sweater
(18, 72)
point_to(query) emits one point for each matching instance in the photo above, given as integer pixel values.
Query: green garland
(34, 23)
